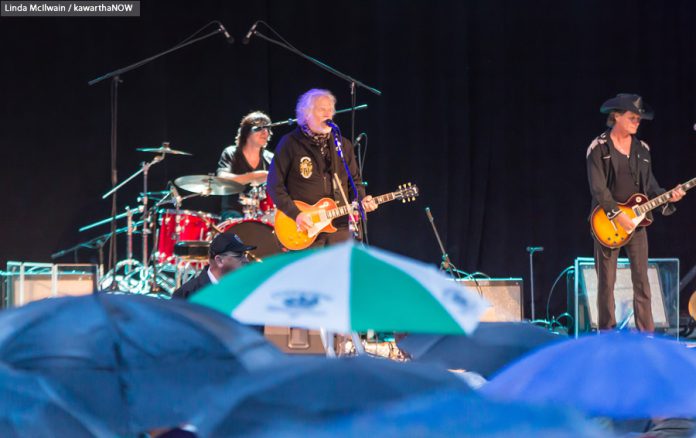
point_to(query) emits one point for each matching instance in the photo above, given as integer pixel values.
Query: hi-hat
(208, 185)
(164, 149)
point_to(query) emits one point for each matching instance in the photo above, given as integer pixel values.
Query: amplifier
(26, 282)
(504, 294)
(663, 277)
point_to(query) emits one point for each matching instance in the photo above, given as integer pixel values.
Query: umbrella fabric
(309, 389)
(138, 363)
(345, 288)
(30, 406)
(618, 375)
(491, 346)
(445, 414)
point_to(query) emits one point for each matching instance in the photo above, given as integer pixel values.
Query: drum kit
(181, 236)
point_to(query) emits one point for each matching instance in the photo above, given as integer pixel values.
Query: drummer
(237, 162)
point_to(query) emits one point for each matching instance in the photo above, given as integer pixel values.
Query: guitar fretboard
(381, 199)
(662, 199)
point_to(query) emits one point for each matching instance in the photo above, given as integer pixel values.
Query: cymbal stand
(129, 252)
(146, 213)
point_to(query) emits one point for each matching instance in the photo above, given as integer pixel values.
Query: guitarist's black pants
(605, 264)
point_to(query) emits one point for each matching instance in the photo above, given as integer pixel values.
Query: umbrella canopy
(619, 375)
(137, 363)
(491, 346)
(345, 288)
(30, 406)
(445, 414)
(309, 389)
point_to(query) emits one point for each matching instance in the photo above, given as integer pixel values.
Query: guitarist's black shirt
(625, 185)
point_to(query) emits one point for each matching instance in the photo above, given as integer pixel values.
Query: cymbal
(164, 149)
(208, 185)
(256, 177)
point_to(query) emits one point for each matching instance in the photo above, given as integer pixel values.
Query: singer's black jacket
(298, 172)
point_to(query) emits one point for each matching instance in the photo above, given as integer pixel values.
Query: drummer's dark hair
(256, 118)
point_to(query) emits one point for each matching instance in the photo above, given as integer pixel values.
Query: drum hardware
(207, 185)
(162, 152)
(177, 226)
(108, 219)
(256, 204)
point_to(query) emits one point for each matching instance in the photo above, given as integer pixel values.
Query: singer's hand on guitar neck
(625, 221)
(303, 221)
(369, 203)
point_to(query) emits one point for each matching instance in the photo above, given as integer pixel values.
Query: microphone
(228, 37)
(359, 138)
(249, 34)
(330, 124)
(535, 249)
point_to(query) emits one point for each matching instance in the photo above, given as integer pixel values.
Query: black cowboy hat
(628, 102)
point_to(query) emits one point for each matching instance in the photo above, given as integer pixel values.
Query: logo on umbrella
(458, 298)
(298, 302)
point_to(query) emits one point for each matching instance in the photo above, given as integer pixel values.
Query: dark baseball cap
(228, 242)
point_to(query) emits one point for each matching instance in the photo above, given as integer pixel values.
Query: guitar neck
(662, 199)
(343, 210)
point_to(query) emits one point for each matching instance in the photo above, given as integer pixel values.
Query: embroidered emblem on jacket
(306, 167)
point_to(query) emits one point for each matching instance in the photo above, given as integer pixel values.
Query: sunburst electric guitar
(323, 212)
(612, 235)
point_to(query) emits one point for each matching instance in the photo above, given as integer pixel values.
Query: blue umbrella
(30, 406)
(309, 389)
(445, 414)
(138, 363)
(490, 347)
(619, 375)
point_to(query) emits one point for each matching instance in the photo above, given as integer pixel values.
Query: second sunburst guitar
(322, 213)
(612, 235)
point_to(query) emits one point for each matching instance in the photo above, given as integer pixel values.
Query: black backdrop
(488, 106)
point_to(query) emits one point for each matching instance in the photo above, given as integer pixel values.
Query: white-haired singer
(305, 162)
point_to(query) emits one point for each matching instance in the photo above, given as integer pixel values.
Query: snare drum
(256, 233)
(182, 225)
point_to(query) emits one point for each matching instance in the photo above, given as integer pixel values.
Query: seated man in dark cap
(227, 253)
(618, 167)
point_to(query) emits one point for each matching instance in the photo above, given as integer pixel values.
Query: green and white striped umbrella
(346, 288)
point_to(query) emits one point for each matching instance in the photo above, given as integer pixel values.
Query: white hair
(305, 104)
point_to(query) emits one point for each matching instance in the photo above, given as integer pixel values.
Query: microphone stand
(291, 122)
(532, 250)
(354, 83)
(336, 133)
(115, 80)
(446, 264)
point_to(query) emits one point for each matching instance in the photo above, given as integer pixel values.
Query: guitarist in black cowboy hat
(618, 166)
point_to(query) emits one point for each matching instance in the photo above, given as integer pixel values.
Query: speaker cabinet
(26, 282)
(295, 340)
(504, 295)
(663, 276)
